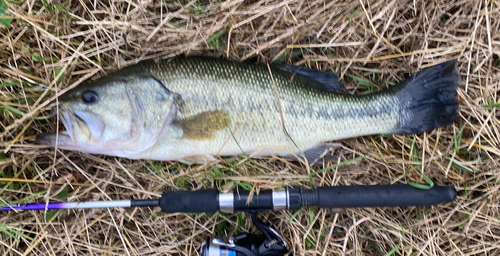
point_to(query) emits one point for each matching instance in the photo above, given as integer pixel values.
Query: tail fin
(430, 98)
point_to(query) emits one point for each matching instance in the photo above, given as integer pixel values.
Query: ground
(48, 46)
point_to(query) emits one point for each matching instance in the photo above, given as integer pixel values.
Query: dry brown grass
(379, 40)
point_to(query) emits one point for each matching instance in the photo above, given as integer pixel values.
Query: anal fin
(320, 154)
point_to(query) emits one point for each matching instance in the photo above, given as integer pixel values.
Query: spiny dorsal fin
(318, 79)
(203, 126)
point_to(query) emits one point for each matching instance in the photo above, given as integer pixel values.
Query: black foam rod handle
(206, 200)
(383, 196)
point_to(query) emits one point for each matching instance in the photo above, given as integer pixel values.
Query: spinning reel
(269, 243)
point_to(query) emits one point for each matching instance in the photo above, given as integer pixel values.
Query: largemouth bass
(193, 110)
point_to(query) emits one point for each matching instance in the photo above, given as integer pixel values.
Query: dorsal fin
(318, 79)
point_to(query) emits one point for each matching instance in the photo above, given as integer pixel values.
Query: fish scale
(247, 93)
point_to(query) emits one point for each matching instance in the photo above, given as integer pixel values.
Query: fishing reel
(269, 243)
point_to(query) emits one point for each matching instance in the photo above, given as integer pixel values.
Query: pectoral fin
(203, 126)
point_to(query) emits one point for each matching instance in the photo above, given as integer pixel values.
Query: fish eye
(89, 97)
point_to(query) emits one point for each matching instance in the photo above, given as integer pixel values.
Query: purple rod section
(56, 206)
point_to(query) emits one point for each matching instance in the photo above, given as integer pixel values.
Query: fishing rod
(270, 243)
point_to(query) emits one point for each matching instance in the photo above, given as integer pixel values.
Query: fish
(195, 110)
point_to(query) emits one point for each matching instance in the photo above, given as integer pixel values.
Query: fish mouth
(53, 140)
(68, 138)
